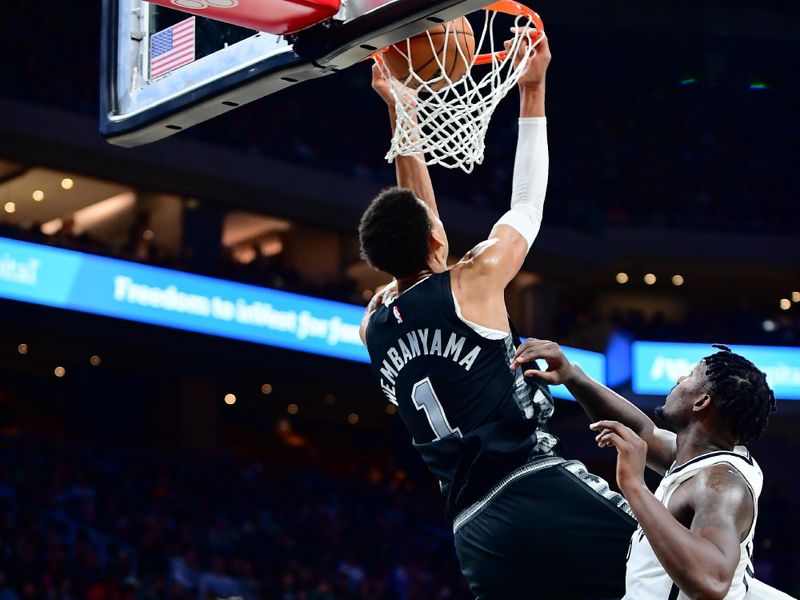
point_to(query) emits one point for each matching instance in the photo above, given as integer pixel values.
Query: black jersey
(472, 419)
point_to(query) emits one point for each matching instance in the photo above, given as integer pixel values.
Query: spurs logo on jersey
(646, 579)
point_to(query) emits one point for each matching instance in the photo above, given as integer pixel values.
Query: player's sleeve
(531, 169)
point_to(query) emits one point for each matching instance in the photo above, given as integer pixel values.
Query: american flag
(172, 47)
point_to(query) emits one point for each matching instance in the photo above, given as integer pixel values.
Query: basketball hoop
(446, 123)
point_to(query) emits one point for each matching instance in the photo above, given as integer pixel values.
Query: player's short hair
(394, 233)
(741, 392)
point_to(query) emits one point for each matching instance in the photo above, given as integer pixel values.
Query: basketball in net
(437, 57)
(448, 81)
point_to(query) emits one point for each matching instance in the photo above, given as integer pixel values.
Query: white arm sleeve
(531, 167)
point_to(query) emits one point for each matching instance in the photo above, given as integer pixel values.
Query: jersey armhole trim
(485, 332)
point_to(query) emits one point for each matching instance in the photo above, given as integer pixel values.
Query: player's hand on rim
(539, 60)
(631, 452)
(382, 86)
(559, 369)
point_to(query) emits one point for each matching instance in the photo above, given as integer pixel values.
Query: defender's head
(401, 236)
(725, 391)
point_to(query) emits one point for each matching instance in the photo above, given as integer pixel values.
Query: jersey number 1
(425, 398)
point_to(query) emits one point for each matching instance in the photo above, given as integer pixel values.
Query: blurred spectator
(106, 525)
(235, 529)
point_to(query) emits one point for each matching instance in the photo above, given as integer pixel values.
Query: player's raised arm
(412, 173)
(501, 256)
(598, 401)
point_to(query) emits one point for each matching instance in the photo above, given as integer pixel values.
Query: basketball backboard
(225, 65)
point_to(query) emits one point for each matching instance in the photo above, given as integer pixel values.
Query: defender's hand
(631, 452)
(559, 369)
(536, 69)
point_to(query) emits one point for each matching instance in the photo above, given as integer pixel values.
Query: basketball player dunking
(527, 522)
(695, 535)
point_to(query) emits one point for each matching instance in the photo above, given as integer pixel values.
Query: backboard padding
(135, 110)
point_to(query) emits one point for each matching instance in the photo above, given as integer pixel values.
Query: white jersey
(645, 578)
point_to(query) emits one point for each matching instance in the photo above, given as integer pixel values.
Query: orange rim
(508, 7)
(515, 9)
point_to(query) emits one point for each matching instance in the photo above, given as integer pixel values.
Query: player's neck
(696, 440)
(404, 283)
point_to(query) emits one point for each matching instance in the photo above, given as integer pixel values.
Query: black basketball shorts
(555, 532)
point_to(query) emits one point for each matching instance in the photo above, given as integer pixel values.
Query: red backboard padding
(273, 16)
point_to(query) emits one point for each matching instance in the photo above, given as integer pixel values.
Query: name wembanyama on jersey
(416, 344)
(471, 418)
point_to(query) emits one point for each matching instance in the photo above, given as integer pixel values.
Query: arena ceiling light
(52, 227)
(100, 212)
(241, 226)
(40, 184)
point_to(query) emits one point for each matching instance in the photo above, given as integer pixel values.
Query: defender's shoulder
(721, 478)
(722, 490)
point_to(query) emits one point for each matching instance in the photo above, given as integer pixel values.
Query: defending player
(695, 536)
(527, 523)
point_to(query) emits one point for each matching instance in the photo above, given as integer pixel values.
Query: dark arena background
(160, 459)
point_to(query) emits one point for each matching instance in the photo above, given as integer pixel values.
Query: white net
(444, 121)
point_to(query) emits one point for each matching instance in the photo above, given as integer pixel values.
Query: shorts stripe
(576, 468)
(528, 469)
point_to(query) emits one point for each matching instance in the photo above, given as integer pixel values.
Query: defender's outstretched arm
(598, 401)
